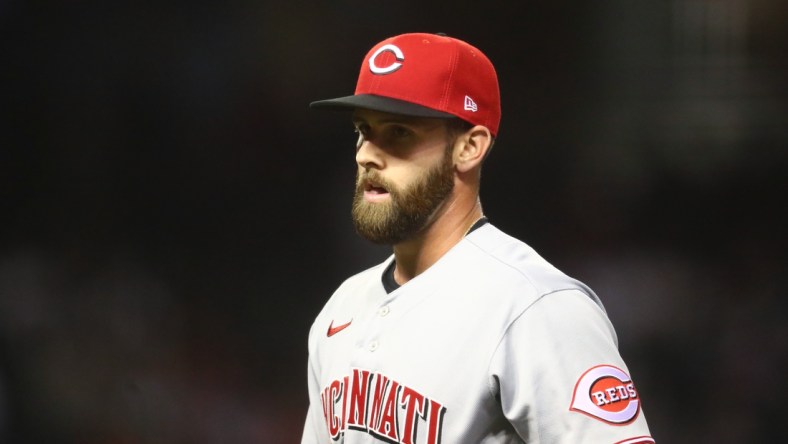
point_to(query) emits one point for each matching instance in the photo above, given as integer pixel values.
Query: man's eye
(400, 132)
(361, 136)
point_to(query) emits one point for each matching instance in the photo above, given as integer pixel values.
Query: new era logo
(470, 105)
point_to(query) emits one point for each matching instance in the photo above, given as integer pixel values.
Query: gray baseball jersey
(491, 344)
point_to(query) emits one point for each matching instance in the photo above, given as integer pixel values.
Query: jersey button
(373, 346)
(384, 310)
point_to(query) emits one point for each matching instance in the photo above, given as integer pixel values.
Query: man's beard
(408, 210)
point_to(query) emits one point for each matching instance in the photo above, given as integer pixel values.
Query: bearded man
(464, 334)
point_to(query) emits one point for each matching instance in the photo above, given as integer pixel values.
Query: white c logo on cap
(386, 69)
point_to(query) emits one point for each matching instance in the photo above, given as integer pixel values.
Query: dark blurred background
(173, 215)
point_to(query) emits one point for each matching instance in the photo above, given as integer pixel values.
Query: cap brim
(379, 103)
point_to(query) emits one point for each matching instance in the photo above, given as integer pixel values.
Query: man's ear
(473, 147)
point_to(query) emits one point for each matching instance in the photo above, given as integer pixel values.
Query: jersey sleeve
(314, 426)
(560, 378)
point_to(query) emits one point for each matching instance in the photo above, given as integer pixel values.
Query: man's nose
(369, 155)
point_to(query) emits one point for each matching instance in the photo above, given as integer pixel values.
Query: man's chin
(377, 228)
(376, 236)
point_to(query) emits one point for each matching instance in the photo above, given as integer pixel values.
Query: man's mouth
(374, 192)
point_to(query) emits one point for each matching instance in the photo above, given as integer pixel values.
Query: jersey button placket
(382, 312)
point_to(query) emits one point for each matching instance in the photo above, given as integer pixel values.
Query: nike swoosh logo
(334, 330)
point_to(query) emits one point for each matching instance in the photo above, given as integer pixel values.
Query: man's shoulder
(372, 274)
(362, 284)
(507, 258)
(507, 252)
(359, 289)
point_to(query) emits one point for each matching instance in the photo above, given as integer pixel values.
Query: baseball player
(464, 334)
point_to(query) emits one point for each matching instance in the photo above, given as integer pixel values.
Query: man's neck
(416, 255)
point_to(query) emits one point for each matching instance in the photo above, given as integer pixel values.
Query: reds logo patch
(606, 393)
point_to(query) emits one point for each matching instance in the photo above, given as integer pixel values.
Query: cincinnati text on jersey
(382, 407)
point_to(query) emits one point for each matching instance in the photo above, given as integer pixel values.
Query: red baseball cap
(426, 75)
